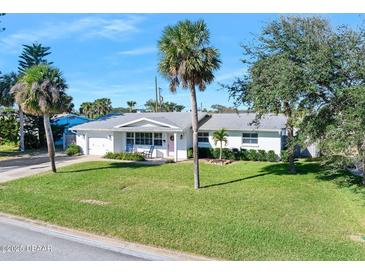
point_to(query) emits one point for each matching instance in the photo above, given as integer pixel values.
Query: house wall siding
(267, 140)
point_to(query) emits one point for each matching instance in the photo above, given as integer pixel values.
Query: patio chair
(148, 153)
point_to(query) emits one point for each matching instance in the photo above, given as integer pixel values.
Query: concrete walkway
(25, 166)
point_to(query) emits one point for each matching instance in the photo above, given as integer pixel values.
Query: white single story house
(170, 133)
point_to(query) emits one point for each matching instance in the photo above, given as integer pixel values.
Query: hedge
(73, 149)
(235, 154)
(125, 156)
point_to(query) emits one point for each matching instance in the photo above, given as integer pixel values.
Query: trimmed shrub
(284, 156)
(252, 155)
(236, 154)
(271, 156)
(203, 152)
(73, 149)
(244, 154)
(125, 156)
(261, 155)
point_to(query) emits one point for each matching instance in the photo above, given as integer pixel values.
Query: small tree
(41, 91)
(221, 137)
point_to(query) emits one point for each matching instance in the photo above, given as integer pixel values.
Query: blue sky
(115, 55)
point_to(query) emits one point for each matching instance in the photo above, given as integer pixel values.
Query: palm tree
(131, 105)
(221, 137)
(102, 106)
(34, 54)
(86, 109)
(187, 59)
(40, 91)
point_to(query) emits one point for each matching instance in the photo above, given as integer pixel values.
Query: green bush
(252, 155)
(284, 156)
(244, 154)
(271, 156)
(203, 152)
(125, 156)
(261, 155)
(73, 149)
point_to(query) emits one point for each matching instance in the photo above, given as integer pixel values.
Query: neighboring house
(68, 121)
(171, 135)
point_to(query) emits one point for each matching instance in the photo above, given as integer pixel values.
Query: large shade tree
(41, 91)
(188, 60)
(285, 66)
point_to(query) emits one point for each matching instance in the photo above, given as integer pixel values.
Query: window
(130, 138)
(157, 139)
(203, 137)
(143, 138)
(249, 138)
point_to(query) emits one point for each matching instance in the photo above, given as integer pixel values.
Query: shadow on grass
(235, 181)
(341, 179)
(111, 165)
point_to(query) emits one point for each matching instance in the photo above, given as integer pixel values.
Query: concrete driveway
(15, 168)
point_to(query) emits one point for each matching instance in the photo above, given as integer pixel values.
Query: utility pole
(156, 90)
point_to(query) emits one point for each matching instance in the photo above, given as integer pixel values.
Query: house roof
(166, 121)
(244, 121)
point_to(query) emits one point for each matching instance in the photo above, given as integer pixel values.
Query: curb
(133, 249)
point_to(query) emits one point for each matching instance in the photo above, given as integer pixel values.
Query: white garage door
(98, 145)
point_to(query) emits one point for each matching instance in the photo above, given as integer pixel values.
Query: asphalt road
(20, 241)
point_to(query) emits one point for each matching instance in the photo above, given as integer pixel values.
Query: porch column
(175, 146)
(86, 152)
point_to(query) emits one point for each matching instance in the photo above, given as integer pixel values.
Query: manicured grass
(245, 211)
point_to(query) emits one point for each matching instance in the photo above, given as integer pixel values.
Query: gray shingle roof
(243, 121)
(181, 120)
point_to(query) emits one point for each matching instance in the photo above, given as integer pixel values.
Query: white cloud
(87, 27)
(138, 51)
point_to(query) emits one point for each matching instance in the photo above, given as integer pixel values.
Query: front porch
(164, 145)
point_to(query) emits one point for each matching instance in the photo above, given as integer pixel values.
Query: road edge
(130, 248)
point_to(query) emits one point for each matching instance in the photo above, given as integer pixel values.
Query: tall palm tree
(131, 105)
(86, 109)
(34, 54)
(40, 91)
(221, 137)
(187, 59)
(102, 106)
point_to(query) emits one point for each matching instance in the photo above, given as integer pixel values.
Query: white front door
(170, 144)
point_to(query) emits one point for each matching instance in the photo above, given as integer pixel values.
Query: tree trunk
(194, 109)
(220, 152)
(291, 151)
(363, 171)
(21, 129)
(50, 143)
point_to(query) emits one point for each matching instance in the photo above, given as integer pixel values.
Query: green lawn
(245, 211)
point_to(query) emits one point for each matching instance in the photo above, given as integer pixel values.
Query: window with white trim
(157, 139)
(203, 137)
(250, 138)
(143, 138)
(130, 138)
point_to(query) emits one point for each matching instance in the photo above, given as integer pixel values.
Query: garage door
(98, 146)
